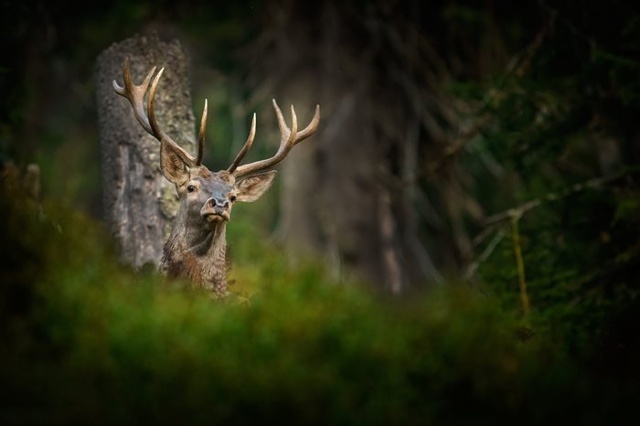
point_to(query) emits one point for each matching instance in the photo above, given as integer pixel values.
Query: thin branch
(517, 251)
(484, 255)
(497, 220)
(554, 196)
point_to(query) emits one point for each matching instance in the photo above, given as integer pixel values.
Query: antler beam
(289, 137)
(145, 115)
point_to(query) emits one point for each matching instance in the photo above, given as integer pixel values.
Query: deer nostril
(213, 202)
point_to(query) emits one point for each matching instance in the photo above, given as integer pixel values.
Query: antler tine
(311, 127)
(135, 94)
(157, 131)
(286, 135)
(289, 137)
(155, 127)
(297, 136)
(201, 134)
(245, 147)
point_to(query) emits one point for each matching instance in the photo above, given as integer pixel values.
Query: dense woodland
(458, 244)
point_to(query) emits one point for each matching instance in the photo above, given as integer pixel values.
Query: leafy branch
(514, 214)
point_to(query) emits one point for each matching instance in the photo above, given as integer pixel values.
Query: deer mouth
(212, 213)
(212, 217)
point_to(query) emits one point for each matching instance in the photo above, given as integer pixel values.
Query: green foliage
(87, 340)
(563, 129)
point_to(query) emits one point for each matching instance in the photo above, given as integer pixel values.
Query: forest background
(471, 197)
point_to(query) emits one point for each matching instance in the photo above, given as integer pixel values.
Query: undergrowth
(87, 340)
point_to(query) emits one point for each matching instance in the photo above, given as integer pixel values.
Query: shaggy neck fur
(198, 253)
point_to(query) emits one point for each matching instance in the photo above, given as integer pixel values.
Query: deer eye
(232, 198)
(191, 188)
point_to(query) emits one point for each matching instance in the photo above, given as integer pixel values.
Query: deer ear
(252, 187)
(173, 165)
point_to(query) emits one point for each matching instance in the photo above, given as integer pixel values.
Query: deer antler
(289, 137)
(146, 116)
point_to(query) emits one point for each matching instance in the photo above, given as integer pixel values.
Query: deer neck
(198, 254)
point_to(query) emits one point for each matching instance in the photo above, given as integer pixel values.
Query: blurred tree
(349, 193)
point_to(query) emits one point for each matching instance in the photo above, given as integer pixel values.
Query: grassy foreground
(86, 340)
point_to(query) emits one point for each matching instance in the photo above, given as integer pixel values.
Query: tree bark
(139, 204)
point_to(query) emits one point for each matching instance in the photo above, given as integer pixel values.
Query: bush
(86, 340)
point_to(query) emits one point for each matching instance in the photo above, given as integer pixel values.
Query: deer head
(196, 247)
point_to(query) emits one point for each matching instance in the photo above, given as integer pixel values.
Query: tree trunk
(139, 204)
(351, 193)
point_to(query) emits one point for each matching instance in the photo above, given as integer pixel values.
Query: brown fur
(196, 248)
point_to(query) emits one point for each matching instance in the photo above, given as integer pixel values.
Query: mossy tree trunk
(139, 204)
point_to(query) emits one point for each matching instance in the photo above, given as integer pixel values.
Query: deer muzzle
(215, 210)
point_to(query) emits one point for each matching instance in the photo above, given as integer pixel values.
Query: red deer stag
(196, 248)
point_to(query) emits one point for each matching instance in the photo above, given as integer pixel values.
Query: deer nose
(218, 202)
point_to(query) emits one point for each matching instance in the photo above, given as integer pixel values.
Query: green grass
(87, 340)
